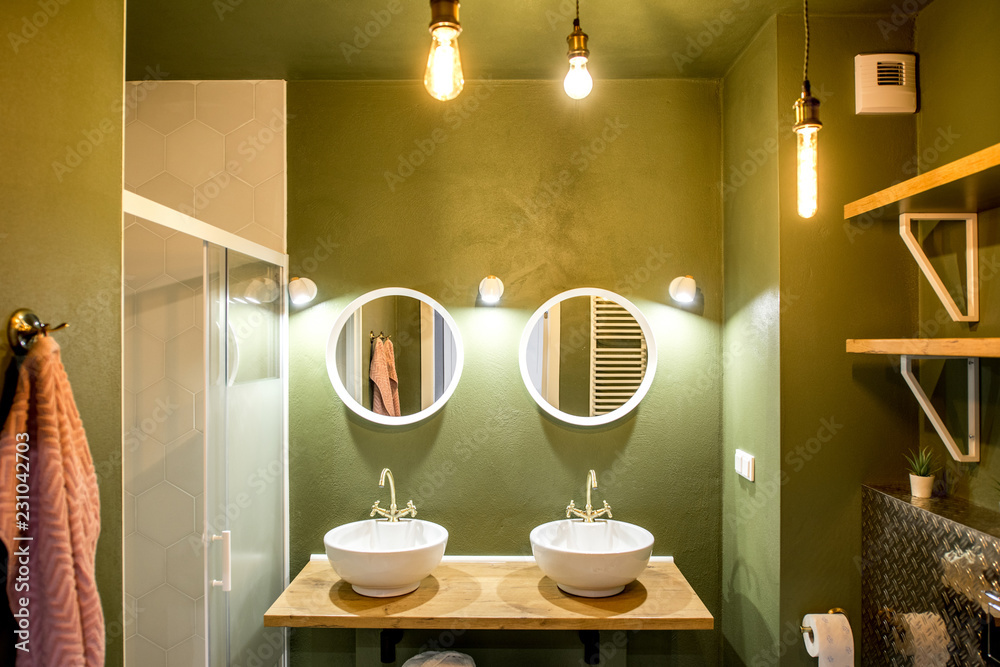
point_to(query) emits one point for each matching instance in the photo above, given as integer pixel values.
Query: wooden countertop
(491, 596)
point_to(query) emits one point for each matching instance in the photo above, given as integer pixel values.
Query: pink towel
(65, 622)
(385, 398)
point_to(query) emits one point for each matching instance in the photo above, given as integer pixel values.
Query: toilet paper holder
(808, 631)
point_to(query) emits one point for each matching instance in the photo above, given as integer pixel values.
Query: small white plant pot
(921, 487)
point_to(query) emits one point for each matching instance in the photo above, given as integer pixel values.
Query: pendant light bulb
(444, 79)
(578, 82)
(807, 127)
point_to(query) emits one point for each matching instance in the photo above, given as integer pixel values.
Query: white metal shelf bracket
(972, 365)
(971, 261)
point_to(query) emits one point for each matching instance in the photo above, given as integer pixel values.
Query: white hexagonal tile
(195, 153)
(130, 615)
(199, 513)
(189, 653)
(185, 462)
(128, 521)
(168, 617)
(255, 152)
(258, 234)
(170, 191)
(140, 652)
(269, 205)
(165, 410)
(143, 256)
(199, 411)
(269, 102)
(145, 565)
(165, 514)
(128, 411)
(186, 568)
(165, 307)
(130, 102)
(167, 105)
(225, 201)
(199, 308)
(144, 153)
(184, 258)
(128, 308)
(185, 359)
(142, 467)
(143, 359)
(224, 105)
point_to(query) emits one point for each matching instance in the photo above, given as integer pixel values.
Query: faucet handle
(607, 509)
(571, 509)
(376, 509)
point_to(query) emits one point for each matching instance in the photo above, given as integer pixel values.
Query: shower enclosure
(204, 456)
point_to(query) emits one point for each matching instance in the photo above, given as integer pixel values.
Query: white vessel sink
(382, 558)
(592, 560)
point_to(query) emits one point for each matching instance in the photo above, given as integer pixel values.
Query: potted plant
(921, 472)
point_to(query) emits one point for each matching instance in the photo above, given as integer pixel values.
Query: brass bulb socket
(806, 112)
(577, 41)
(445, 13)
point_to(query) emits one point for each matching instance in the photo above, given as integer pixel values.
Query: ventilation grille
(617, 356)
(891, 73)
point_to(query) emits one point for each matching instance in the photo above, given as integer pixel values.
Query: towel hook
(23, 327)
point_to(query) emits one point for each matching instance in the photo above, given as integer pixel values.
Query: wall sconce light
(491, 289)
(807, 127)
(443, 78)
(301, 290)
(683, 289)
(261, 290)
(578, 82)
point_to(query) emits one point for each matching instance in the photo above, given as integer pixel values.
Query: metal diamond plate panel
(923, 578)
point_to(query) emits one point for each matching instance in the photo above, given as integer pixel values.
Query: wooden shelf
(970, 184)
(491, 596)
(927, 347)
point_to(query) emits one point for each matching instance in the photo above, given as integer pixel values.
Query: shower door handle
(227, 561)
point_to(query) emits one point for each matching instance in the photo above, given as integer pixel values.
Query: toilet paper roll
(926, 639)
(831, 641)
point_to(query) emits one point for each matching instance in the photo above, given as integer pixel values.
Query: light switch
(744, 464)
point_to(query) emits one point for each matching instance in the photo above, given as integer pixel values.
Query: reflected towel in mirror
(385, 383)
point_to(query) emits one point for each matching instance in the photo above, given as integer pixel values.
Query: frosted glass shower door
(246, 466)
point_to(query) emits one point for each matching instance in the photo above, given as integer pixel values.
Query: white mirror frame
(338, 384)
(647, 379)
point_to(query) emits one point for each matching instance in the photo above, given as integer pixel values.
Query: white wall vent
(885, 83)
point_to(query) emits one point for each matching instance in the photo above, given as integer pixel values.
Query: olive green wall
(845, 419)
(750, 360)
(514, 179)
(60, 238)
(959, 80)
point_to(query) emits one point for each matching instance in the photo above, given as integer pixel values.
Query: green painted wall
(960, 78)
(512, 179)
(845, 419)
(60, 237)
(749, 363)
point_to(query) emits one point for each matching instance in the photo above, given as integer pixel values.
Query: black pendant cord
(805, 60)
(577, 11)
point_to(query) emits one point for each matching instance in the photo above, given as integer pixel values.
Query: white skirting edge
(501, 559)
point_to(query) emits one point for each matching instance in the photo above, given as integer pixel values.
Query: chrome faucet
(392, 514)
(589, 514)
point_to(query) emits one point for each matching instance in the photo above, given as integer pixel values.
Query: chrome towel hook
(23, 327)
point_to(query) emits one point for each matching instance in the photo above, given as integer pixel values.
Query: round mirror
(587, 356)
(394, 356)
